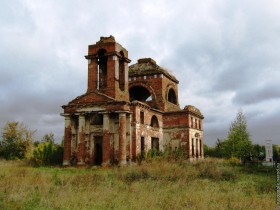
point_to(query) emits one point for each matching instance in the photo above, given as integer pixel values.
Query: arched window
(172, 96)
(101, 69)
(154, 122)
(139, 93)
(121, 72)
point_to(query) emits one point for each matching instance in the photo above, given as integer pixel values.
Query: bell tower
(108, 69)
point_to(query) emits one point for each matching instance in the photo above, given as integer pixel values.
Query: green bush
(47, 153)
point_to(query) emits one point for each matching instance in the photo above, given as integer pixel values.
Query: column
(122, 138)
(128, 129)
(106, 140)
(81, 140)
(67, 141)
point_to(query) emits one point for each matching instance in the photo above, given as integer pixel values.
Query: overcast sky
(226, 55)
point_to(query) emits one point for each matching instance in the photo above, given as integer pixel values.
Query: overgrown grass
(157, 184)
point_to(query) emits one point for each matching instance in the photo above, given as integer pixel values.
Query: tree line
(239, 145)
(17, 143)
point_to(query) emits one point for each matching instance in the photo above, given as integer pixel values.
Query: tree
(238, 143)
(219, 148)
(16, 141)
(276, 153)
(259, 152)
(209, 151)
(48, 138)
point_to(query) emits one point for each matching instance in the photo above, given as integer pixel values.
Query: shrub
(234, 161)
(227, 175)
(47, 153)
(213, 170)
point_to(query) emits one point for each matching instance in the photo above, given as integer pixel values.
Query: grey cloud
(214, 49)
(255, 95)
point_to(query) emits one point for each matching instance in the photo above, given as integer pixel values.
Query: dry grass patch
(154, 185)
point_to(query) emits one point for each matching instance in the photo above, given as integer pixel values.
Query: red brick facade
(127, 111)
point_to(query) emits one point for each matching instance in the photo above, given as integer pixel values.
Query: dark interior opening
(154, 122)
(98, 150)
(192, 148)
(102, 69)
(121, 72)
(139, 93)
(96, 119)
(172, 96)
(142, 144)
(155, 143)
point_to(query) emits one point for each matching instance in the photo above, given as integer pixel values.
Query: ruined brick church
(127, 110)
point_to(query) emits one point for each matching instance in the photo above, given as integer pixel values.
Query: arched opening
(139, 93)
(121, 72)
(101, 69)
(154, 122)
(172, 96)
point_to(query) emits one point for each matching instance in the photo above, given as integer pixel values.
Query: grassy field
(157, 184)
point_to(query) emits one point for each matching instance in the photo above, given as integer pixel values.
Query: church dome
(192, 108)
(148, 66)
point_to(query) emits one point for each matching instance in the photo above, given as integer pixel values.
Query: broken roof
(147, 66)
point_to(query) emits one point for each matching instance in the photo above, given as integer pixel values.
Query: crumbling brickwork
(127, 110)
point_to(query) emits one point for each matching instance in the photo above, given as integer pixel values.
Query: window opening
(192, 147)
(97, 119)
(121, 72)
(141, 117)
(155, 143)
(154, 122)
(142, 144)
(200, 147)
(196, 148)
(172, 96)
(101, 69)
